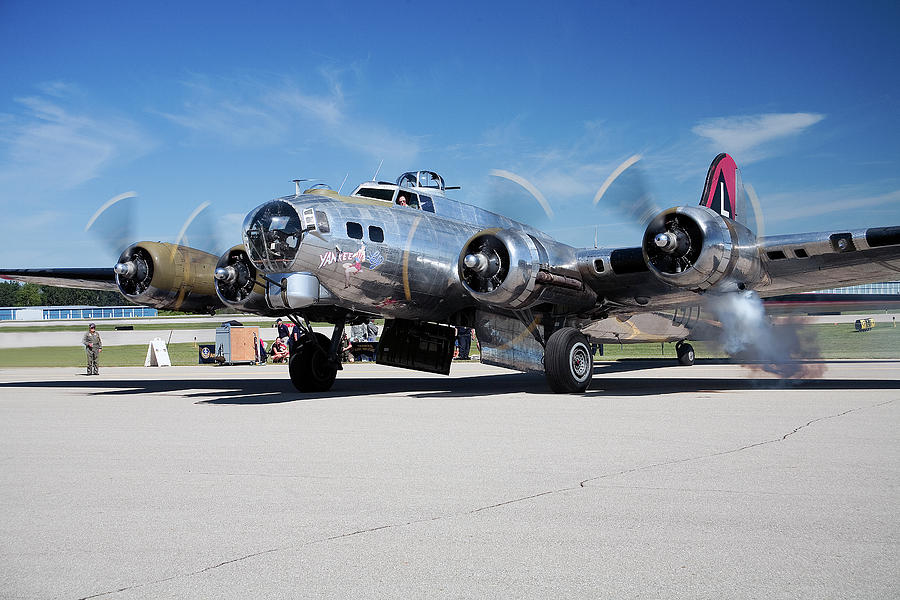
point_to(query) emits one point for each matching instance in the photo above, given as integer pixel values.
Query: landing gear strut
(568, 361)
(685, 353)
(315, 359)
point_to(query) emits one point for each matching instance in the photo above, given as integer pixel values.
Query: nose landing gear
(315, 360)
(310, 367)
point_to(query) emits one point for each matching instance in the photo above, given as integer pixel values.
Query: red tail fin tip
(720, 191)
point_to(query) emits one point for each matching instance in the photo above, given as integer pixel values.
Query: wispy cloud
(263, 113)
(786, 207)
(50, 144)
(745, 136)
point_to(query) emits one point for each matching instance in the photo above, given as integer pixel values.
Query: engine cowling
(693, 247)
(168, 276)
(238, 283)
(514, 270)
(500, 266)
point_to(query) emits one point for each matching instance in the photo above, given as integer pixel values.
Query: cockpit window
(377, 193)
(405, 198)
(272, 235)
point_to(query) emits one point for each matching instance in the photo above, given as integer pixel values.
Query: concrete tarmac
(223, 482)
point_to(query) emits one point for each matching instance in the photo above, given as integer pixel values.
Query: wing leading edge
(86, 278)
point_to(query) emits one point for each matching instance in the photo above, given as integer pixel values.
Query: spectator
(92, 348)
(371, 330)
(464, 341)
(283, 331)
(279, 351)
(346, 345)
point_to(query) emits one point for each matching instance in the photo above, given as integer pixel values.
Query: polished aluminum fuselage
(410, 273)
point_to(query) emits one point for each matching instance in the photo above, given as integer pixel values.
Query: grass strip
(838, 341)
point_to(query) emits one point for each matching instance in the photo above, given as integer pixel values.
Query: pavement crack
(733, 450)
(514, 500)
(483, 508)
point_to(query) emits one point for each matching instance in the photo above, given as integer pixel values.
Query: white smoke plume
(749, 337)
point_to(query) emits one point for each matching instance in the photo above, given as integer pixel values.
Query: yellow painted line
(187, 275)
(521, 336)
(409, 238)
(635, 332)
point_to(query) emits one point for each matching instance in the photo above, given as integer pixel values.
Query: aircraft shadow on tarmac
(611, 379)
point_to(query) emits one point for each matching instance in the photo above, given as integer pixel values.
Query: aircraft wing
(165, 276)
(814, 261)
(89, 278)
(772, 266)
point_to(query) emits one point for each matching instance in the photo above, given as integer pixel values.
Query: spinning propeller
(146, 270)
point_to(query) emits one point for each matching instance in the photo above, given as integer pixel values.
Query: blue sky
(185, 103)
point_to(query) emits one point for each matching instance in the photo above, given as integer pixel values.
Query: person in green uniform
(92, 347)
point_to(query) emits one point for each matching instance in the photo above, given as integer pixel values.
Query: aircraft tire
(685, 354)
(309, 366)
(568, 363)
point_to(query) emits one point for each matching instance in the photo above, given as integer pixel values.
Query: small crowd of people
(367, 331)
(279, 350)
(358, 346)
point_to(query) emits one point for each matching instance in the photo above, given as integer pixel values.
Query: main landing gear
(685, 353)
(315, 359)
(568, 361)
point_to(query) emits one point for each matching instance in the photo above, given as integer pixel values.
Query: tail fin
(721, 190)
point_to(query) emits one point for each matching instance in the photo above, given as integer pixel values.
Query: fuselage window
(426, 203)
(354, 230)
(376, 234)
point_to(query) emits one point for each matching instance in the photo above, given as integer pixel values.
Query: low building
(886, 287)
(57, 313)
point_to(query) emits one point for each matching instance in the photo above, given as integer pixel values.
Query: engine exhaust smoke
(750, 338)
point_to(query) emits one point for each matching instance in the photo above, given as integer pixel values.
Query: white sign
(157, 354)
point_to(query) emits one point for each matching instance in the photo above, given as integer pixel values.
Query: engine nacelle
(515, 270)
(238, 283)
(693, 247)
(500, 266)
(168, 276)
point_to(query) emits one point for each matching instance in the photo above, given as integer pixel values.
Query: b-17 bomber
(407, 252)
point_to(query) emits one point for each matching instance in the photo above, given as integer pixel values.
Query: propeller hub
(478, 262)
(665, 241)
(126, 269)
(225, 274)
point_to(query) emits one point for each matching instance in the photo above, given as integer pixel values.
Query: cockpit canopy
(272, 235)
(422, 179)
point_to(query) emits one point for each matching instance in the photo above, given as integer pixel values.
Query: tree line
(32, 294)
